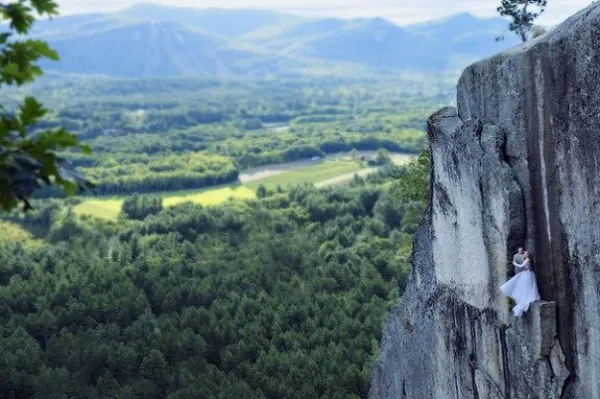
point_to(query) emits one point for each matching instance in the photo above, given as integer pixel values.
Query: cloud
(401, 11)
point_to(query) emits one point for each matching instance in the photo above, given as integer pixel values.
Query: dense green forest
(280, 297)
(138, 127)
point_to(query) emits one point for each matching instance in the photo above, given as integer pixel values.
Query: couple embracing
(522, 288)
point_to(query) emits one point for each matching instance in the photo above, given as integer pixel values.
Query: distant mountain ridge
(146, 48)
(154, 40)
(378, 44)
(467, 34)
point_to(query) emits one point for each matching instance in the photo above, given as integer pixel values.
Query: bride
(522, 287)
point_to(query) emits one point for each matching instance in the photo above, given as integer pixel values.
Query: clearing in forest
(322, 173)
(11, 232)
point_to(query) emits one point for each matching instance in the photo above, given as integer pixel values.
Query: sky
(399, 11)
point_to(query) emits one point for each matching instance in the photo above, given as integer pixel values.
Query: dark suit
(517, 260)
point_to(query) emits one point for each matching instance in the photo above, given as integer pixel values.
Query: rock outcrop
(516, 164)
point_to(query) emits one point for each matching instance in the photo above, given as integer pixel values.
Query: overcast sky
(400, 11)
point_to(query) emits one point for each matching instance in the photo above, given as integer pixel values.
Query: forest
(280, 294)
(280, 297)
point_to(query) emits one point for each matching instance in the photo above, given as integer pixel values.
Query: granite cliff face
(516, 164)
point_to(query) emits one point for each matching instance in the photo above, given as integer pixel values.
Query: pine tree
(522, 14)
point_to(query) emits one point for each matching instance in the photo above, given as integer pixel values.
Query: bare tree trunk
(523, 35)
(522, 31)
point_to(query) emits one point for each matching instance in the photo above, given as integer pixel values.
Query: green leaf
(28, 162)
(86, 149)
(20, 17)
(69, 187)
(42, 49)
(57, 139)
(10, 69)
(4, 36)
(48, 7)
(31, 112)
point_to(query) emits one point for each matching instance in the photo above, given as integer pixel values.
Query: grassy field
(101, 208)
(109, 208)
(11, 232)
(308, 174)
(320, 174)
(209, 197)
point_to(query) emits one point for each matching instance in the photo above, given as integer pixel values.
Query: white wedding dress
(523, 289)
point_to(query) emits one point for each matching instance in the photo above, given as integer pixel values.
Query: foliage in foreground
(27, 160)
(281, 297)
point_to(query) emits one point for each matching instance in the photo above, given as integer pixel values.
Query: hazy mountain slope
(376, 43)
(156, 40)
(146, 49)
(225, 22)
(76, 25)
(284, 34)
(466, 34)
(458, 24)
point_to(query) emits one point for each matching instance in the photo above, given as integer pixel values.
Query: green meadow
(11, 232)
(109, 207)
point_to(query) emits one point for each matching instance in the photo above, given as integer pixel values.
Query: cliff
(515, 164)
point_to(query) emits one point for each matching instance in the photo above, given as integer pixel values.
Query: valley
(225, 203)
(169, 135)
(256, 191)
(221, 206)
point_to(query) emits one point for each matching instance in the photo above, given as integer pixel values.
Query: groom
(518, 260)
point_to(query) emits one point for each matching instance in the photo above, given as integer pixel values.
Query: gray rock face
(516, 164)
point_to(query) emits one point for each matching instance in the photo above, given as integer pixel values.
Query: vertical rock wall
(517, 164)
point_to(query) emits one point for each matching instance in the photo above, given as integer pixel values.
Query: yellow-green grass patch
(401, 159)
(309, 174)
(100, 208)
(211, 197)
(109, 208)
(11, 233)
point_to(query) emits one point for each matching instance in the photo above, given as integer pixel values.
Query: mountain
(228, 23)
(458, 24)
(376, 43)
(281, 35)
(76, 25)
(156, 40)
(149, 49)
(466, 34)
